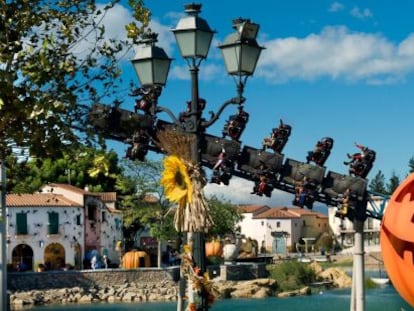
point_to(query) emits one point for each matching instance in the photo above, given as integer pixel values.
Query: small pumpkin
(397, 239)
(214, 249)
(135, 259)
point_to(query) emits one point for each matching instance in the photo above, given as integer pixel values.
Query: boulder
(338, 277)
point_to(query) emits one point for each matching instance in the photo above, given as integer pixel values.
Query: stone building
(60, 226)
(280, 229)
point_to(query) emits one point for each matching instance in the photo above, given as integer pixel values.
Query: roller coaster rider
(278, 137)
(222, 169)
(236, 124)
(361, 163)
(304, 193)
(263, 184)
(321, 152)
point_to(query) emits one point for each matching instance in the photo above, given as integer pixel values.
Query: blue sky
(342, 69)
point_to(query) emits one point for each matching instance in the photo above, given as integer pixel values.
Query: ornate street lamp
(193, 36)
(151, 63)
(241, 51)
(188, 132)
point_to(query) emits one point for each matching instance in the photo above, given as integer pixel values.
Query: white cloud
(406, 47)
(337, 53)
(209, 72)
(114, 21)
(119, 16)
(360, 13)
(165, 36)
(336, 7)
(239, 192)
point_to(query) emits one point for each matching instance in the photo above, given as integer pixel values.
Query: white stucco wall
(253, 228)
(111, 232)
(37, 225)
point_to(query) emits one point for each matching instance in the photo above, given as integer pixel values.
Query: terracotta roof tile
(274, 212)
(287, 212)
(39, 200)
(114, 210)
(306, 212)
(149, 198)
(254, 209)
(73, 188)
(107, 196)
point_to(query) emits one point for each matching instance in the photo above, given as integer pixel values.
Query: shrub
(370, 284)
(292, 275)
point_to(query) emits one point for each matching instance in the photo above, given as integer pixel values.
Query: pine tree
(411, 164)
(393, 183)
(377, 184)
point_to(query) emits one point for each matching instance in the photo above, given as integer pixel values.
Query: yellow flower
(187, 249)
(100, 165)
(176, 181)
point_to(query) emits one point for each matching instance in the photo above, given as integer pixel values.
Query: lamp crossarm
(170, 113)
(215, 116)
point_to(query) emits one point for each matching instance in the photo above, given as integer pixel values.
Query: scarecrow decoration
(183, 181)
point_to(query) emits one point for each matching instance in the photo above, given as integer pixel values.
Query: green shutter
(53, 223)
(21, 219)
(78, 220)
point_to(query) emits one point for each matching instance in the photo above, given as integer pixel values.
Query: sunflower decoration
(184, 181)
(176, 181)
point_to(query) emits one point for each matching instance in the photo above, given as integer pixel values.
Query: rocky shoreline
(149, 292)
(127, 292)
(167, 290)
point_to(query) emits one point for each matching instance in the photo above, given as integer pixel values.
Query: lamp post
(194, 36)
(4, 304)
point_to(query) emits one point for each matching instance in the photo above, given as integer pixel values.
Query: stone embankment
(136, 286)
(127, 292)
(139, 292)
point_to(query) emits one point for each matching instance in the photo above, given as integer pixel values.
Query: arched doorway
(54, 256)
(22, 258)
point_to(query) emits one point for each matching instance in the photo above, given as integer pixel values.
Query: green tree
(145, 206)
(56, 59)
(393, 183)
(143, 202)
(140, 185)
(224, 215)
(377, 184)
(411, 165)
(72, 168)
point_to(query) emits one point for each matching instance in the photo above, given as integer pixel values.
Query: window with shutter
(78, 220)
(53, 227)
(21, 219)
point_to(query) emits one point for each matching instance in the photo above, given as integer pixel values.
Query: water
(381, 299)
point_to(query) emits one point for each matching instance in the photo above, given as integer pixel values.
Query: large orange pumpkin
(397, 239)
(135, 259)
(214, 249)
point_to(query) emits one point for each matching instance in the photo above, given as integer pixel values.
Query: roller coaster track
(284, 173)
(376, 204)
